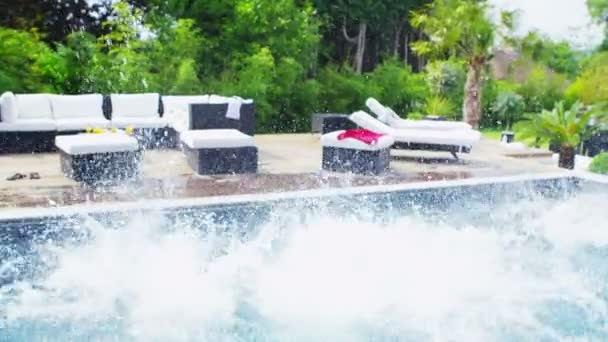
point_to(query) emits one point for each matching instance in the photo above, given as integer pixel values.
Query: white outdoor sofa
(454, 141)
(392, 119)
(30, 122)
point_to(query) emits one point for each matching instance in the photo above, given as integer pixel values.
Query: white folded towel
(234, 108)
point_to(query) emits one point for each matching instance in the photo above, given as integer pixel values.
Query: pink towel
(363, 135)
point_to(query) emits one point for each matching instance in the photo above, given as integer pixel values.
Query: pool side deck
(288, 162)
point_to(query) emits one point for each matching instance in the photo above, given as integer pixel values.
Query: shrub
(437, 105)
(446, 78)
(509, 107)
(599, 164)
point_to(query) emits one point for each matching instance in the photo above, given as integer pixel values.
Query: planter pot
(566, 157)
(507, 137)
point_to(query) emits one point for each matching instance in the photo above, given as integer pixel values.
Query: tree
(462, 29)
(557, 55)
(591, 86)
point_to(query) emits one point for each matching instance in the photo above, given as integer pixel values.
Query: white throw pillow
(8, 107)
(135, 105)
(34, 106)
(77, 106)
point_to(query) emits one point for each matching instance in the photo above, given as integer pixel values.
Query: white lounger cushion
(32, 125)
(33, 106)
(80, 124)
(216, 138)
(135, 105)
(77, 106)
(331, 140)
(139, 122)
(388, 116)
(96, 143)
(418, 136)
(8, 107)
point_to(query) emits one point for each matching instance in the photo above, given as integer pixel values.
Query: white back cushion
(34, 106)
(77, 106)
(135, 105)
(377, 108)
(176, 109)
(366, 121)
(8, 107)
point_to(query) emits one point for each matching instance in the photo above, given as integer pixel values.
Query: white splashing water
(329, 280)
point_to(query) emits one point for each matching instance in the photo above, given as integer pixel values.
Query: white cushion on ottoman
(96, 143)
(216, 138)
(331, 140)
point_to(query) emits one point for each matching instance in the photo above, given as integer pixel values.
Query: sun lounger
(389, 117)
(453, 141)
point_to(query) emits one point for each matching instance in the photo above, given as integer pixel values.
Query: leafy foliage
(599, 164)
(509, 107)
(436, 105)
(567, 127)
(592, 84)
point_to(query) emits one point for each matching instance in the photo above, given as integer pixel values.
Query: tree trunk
(566, 157)
(396, 41)
(406, 47)
(471, 108)
(360, 48)
(360, 42)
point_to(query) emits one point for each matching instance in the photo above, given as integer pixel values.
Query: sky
(559, 19)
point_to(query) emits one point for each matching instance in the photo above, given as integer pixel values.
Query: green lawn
(491, 133)
(494, 134)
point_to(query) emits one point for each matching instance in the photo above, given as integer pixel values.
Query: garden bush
(600, 164)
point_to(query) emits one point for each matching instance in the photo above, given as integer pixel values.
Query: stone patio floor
(287, 162)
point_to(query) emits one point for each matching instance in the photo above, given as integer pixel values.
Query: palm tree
(565, 127)
(463, 29)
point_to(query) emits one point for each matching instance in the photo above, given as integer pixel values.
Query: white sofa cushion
(216, 138)
(34, 106)
(80, 124)
(176, 110)
(96, 143)
(8, 107)
(137, 122)
(234, 105)
(32, 125)
(331, 140)
(135, 105)
(77, 106)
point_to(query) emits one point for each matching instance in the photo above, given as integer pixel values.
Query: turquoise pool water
(475, 264)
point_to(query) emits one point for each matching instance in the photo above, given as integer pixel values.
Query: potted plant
(566, 127)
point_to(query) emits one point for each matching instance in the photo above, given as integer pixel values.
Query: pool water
(530, 269)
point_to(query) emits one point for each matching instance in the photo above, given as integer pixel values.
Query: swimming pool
(513, 259)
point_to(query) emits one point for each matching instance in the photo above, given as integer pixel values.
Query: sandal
(16, 176)
(34, 175)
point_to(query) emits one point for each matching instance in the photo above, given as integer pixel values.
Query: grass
(494, 134)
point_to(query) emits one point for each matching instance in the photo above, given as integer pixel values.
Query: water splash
(533, 271)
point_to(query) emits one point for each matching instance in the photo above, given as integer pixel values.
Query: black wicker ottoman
(99, 158)
(220, 151)
(351, 155)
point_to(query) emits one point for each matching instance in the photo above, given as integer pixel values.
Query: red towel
(363, 135)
